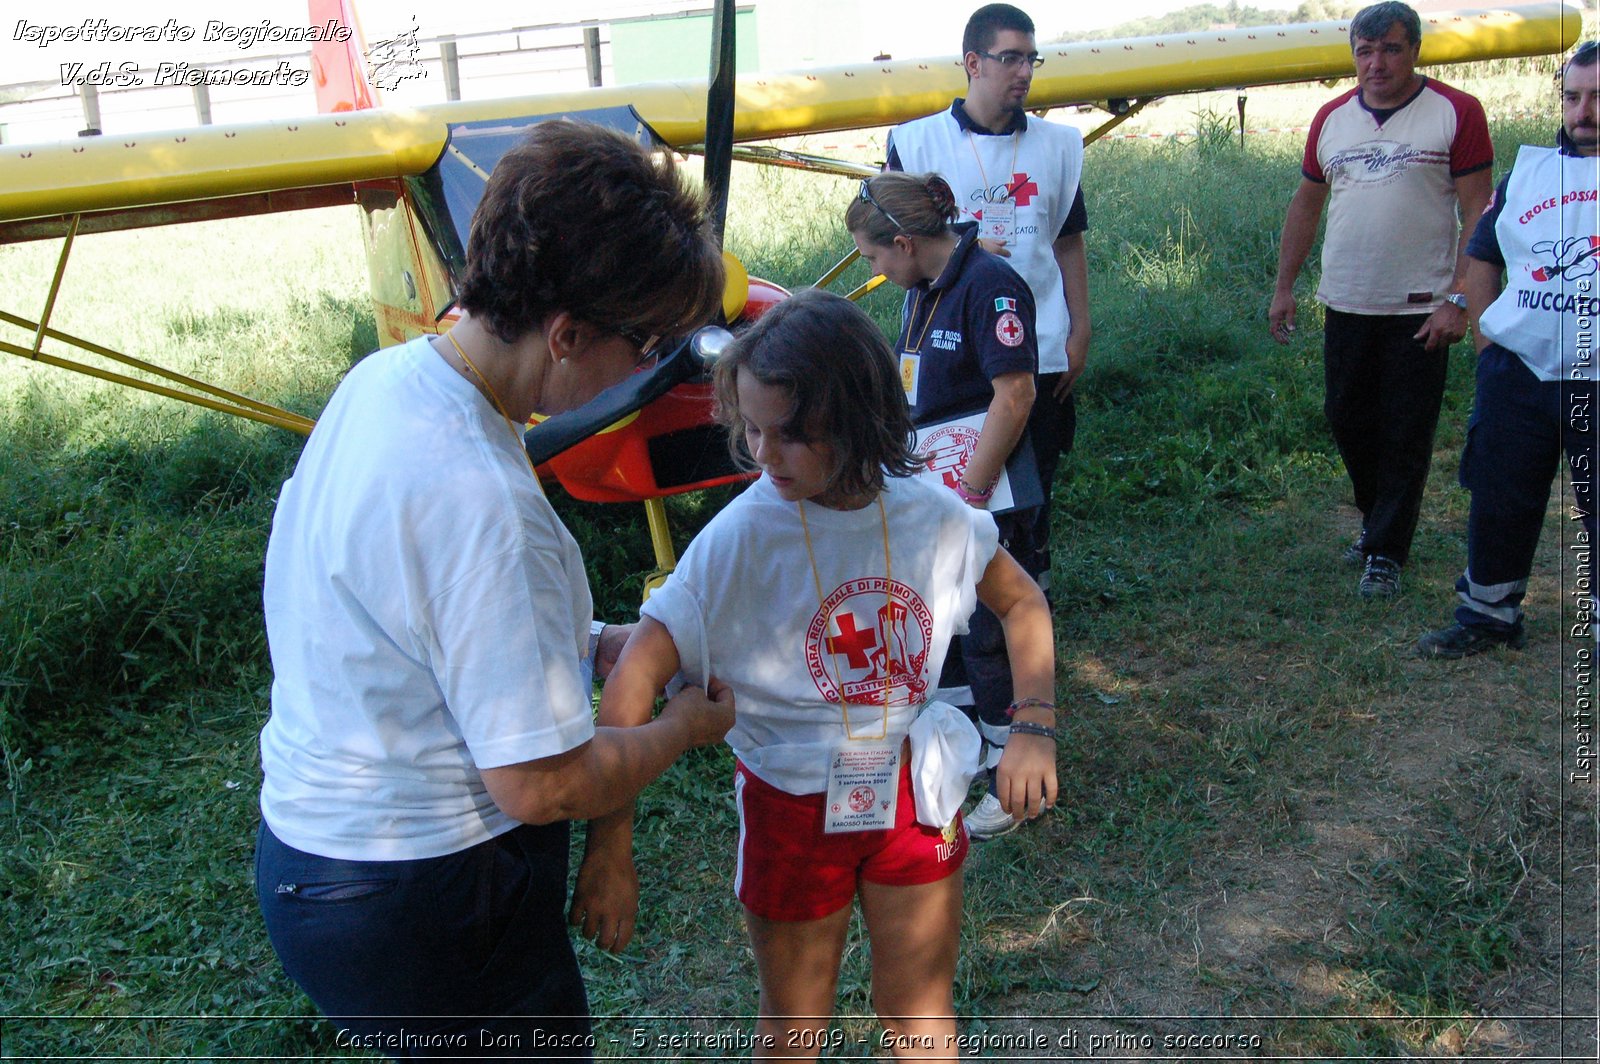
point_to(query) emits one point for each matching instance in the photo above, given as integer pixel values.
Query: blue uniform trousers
(1519, 427)
(456, 957)
(1052, 427)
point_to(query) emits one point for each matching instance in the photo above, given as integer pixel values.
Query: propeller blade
(549, 438)
(690, 358)
(719, 114)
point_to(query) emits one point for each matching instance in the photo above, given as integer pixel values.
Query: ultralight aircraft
(417, 174)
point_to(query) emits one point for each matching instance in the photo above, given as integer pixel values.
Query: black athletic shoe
(1380, 579)
(1355, 555)
(1460, 641)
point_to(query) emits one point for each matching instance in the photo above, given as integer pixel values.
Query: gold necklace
(494, 398)
(888, 616)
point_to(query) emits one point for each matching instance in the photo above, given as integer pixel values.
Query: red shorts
(789, 869)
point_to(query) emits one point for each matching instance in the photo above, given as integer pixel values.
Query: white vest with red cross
(1036, 171)
(1549, 235)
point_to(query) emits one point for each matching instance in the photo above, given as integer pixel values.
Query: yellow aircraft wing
(234, 163)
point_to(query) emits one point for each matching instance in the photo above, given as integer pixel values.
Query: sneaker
(1356, 553)
(988, 820)
(1380, 579)
(1460, 641)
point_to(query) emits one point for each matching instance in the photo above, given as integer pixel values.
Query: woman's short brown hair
(843, 382)
(580, 218)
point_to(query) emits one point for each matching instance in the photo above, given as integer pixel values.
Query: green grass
(1269, 810)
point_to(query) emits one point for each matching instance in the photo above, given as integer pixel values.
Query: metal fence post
(91, 110)
(450, 62)
(591, 53)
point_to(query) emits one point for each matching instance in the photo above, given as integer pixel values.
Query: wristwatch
(1457, 300)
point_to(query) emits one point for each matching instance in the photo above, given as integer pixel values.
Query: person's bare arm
(605, 896)
(606, 773)
(1073, 259)
(1025, 781)
(1448, 323)
(1481, 285)
(613, 637)
(1002, 428)
(1299, 230)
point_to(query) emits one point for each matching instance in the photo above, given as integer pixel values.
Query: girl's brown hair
(844, 385)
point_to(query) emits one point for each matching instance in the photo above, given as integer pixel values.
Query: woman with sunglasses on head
(429, 623)
(967, 343)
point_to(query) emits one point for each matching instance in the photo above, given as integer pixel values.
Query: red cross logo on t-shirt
(1023, 190)
(852, 641)
(881, 647)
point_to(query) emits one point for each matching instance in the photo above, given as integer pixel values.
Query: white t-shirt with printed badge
(743, 600)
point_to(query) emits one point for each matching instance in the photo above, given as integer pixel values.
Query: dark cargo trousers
(1382, 404)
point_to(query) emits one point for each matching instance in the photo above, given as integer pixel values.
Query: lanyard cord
(1016, 141)
(888, 598)
(498, 405)
(911, 319)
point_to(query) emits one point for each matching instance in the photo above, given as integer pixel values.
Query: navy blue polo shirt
(974, 322)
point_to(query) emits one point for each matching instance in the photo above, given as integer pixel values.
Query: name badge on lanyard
(863, 785)
(909, 370)
(863, 771)
(1000, 221)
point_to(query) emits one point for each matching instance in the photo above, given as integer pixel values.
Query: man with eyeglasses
(1537, 362)
(1392, 158)
(1018, 176)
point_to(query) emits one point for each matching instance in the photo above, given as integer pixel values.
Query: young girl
(967, 343)
(825, 596)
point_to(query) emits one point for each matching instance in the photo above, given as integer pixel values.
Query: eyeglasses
(649, 346)
(866, 194)
(1009, 60)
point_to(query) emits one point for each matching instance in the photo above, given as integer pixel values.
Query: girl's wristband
(967, 494)
(1029, 703)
